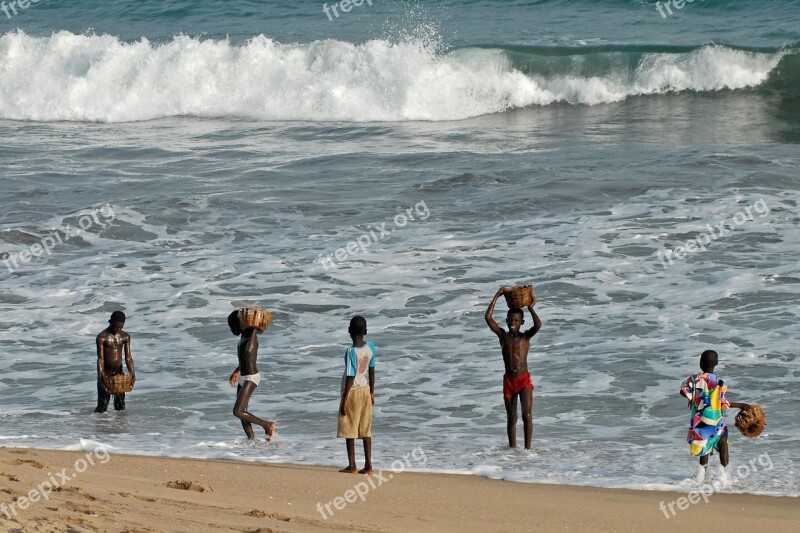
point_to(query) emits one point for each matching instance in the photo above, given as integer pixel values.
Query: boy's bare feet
(366, 470)
(349, 470)
(269, 429)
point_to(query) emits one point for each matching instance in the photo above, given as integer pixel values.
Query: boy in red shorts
(517, 380)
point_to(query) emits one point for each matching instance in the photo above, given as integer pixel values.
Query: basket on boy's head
(254, 317)
(519, 297)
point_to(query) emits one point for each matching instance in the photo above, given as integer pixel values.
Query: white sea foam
(24, 412)
(100, 78)
(88, 445)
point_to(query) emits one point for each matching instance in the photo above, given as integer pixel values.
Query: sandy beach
(145, 494)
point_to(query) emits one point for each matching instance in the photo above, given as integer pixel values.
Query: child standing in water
(246, 378)
(707, 431)
(358, 396)
(111, 343)
(517, 380)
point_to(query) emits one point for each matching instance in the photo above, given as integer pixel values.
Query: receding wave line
(69, 77)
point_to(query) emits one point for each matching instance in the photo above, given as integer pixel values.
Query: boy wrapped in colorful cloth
(706, 395)
(707, 431)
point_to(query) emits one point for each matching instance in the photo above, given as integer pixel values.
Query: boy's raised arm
(252, 344)
(489, 320)
(537, 322)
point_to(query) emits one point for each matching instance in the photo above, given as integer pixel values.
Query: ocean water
(209, 154)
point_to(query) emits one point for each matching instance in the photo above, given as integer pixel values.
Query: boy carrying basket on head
(517, 383)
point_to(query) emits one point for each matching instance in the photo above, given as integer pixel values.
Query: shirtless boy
(517, 379)
(110, 345)
(246, 378)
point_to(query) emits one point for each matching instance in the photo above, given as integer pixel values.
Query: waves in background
(91, 78)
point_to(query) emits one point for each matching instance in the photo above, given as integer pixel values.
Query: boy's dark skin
(515, 347)
(358, 341)
(708, 361)
(247, 352)
(112, 342)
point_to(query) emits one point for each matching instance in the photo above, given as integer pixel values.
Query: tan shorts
(358, 422)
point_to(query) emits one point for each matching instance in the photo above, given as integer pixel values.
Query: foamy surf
(99, 78)
(88, 445)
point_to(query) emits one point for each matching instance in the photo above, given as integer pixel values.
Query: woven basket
(118, 384)
(752, 421)
(255, 317)
(519, 296)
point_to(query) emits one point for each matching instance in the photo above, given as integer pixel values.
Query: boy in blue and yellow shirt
(358, 396)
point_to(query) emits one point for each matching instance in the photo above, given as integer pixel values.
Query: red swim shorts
(514, 385)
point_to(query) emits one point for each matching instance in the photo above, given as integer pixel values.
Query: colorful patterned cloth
(706, 395)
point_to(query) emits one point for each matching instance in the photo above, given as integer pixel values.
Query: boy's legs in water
(511, 424)
(102, 398)
(248, 427)
(526, 398)
(119, 402)
(724, 459)
(724, 454)
(244, 392)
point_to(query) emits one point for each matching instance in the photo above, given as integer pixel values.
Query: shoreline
(96, 491)
(420, 471)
